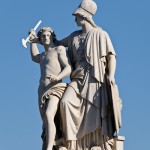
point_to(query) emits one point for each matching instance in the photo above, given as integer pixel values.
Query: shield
(117, 106)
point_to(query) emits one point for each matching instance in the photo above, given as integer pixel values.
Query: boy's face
(46, 38)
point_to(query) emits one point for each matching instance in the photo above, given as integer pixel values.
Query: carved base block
(119, 143)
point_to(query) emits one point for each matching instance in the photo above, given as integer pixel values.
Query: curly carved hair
(49, 30)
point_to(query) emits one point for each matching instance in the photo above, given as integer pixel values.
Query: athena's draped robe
(86, 106)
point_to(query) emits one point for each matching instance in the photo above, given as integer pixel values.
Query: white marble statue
(90, 106)
(88, 110)
(54, 66)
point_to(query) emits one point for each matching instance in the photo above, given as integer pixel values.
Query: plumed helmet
(86, 8)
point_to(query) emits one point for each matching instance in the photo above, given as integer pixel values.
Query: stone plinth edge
(119, 143)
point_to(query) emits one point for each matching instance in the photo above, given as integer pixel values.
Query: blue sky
(127, 23)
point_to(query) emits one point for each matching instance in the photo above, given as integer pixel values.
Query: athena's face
(79, 20)
(46, 38)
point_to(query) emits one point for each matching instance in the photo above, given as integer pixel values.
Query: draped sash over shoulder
(98, 46)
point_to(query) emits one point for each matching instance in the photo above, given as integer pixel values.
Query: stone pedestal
(119, 143)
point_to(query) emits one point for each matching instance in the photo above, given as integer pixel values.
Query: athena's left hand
(111, 80)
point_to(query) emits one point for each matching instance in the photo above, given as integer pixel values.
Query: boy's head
(46, 35)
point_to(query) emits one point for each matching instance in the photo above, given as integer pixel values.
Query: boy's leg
(52, 106)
